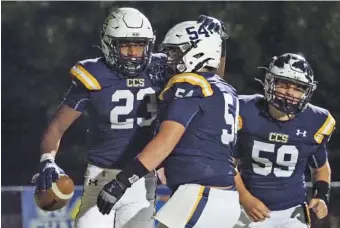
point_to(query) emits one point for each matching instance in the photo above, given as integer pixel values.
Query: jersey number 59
(281, 167)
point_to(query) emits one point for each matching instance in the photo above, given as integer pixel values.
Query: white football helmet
(191, 47)
(126, 25)
(295, 69)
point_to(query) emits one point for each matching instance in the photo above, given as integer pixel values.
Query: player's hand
(213, 24)
(49, 172)
(255, 209)
(319, 207)
(109, 196)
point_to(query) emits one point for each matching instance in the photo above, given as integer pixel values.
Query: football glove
(109, 195)
(214, 25)
(115, 189)
(48, 172)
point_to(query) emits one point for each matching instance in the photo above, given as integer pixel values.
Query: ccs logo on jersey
(135, 82)
(278, 137)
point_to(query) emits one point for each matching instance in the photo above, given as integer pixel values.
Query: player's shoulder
(249, 105)
(158, 57)
(220, 85)
(318, 114)
(92, 73)
(186, 85)
(250, 99)
(321, 119)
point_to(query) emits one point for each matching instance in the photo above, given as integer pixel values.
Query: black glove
(109, 195)
(115, 189)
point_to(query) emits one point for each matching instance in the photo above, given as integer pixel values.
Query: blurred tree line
(41, 41)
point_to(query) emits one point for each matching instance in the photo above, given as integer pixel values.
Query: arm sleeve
(77, 97)
(181, 111)
(318, 159)
(322, 136)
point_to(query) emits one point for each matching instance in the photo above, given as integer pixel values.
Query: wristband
(132, 173)
(46, 156)
(321, 190)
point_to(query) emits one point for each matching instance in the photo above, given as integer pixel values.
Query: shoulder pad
(327, 123)
(249, 98)
(247, 105)
(84, 72)
(158, 57)
(186, 85)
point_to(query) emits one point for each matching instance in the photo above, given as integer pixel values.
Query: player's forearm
(162, 145)
(154, 153)
(51, 140)
(241, 188)
(157, 151)
(60, 122)
(322, 174)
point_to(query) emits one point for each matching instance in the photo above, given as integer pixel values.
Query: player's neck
(207, 70)
(277, 114)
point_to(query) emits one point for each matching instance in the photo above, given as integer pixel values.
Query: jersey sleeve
(180, 110)
(322, 137)
(186, 85)
(319, 158)
(325, 131)
(77, 97)
(81, 73)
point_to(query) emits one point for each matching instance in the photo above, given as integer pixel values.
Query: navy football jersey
(274, 154)
(208, 108)
(121, 111)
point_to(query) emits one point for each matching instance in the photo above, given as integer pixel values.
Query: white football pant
(294, 217)
(196, 206)
(134, 209)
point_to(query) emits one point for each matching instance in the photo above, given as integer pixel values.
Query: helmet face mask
(126, 27)
(130, 66)
(175, 54)
(289, 69)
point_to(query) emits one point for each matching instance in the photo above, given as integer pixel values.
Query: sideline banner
(34, 217)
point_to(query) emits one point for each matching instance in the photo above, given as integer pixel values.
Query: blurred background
(41, 41)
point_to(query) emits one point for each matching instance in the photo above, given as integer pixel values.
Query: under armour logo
(111, 188)
(303, 133)
(93, 182)
(133, 179)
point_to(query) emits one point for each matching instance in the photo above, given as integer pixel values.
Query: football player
(120, 99)
(279, 134)
(195, 140)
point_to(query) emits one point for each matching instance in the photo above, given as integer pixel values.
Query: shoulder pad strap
(85, 77)
(326, 129)
(192, 79)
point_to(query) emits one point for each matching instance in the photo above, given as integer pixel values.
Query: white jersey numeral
(267, 166)
(126, 109)
(228, 135)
